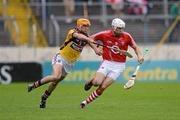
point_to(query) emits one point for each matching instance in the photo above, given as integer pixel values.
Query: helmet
(117, 22)
(83, 21)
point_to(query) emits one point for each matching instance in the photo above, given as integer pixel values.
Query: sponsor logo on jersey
(76, 47)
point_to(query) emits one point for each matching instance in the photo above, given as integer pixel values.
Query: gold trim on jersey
(72, 47)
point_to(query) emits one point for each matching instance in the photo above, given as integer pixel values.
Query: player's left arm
(137, 50)
(82, 37)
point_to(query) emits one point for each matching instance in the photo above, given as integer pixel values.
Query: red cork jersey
(121, 42)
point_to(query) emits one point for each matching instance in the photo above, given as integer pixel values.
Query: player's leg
(48, 92)
(95, 81)
(111, 75)
(100, 76)
(57, 71)
(95, 94)
(52, 85)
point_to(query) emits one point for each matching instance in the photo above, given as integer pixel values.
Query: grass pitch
(145, 101)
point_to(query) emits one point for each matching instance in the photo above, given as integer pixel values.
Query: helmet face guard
(117, 26)
(117, 31)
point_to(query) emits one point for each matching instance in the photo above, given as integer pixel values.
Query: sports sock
(46, 94)
(93, 95)
(37, 84)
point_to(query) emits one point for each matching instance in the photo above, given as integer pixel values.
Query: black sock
(46, 94)
(37, 84)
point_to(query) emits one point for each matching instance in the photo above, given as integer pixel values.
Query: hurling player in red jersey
(113, 63)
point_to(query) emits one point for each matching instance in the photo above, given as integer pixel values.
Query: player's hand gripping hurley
(131, 82)
(120, 51)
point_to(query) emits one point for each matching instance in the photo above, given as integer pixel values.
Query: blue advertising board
(150, 71)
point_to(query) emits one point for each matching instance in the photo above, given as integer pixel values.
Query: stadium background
(32, 30)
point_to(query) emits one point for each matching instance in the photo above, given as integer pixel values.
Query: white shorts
(67, 66)
(111, 69)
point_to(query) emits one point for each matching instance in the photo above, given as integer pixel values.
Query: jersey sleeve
(131, 40)
(98, 36)
(71, 33)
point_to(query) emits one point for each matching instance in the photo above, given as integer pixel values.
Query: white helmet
(117, 22)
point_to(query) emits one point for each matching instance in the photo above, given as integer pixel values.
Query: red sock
(94, 95)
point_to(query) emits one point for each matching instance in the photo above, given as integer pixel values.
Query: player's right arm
(89, 40)
(82, 37)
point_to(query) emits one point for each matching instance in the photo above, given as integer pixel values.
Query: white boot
(83, 104)
(129, 84)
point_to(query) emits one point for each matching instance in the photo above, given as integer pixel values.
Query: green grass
(145, 101)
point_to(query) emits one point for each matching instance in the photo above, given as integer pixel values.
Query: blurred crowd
(119, 7)
(135, 7)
